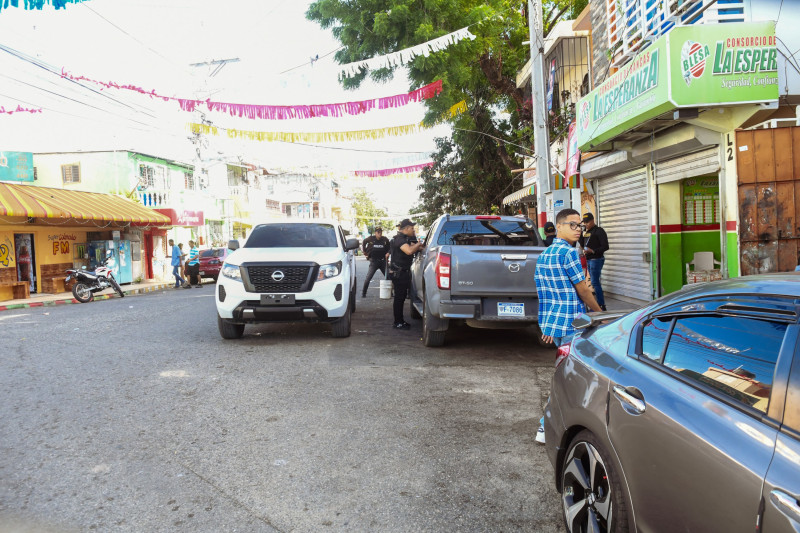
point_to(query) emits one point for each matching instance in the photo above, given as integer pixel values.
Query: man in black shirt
(595, 244)
(376, 249)
(403, 247)
(549, 233)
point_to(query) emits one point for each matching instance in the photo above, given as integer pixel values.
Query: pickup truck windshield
(487, 233)
(292, 236)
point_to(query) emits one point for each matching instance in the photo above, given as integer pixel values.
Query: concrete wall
(600, 61)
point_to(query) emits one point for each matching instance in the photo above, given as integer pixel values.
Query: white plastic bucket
(386, 289)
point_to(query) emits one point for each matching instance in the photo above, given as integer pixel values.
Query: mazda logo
(514, 267)
(278, 275)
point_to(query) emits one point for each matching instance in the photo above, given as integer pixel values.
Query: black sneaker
(402, 325)
(603, 307)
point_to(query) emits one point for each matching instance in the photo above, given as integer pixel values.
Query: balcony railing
(155, 198)
(634, 24)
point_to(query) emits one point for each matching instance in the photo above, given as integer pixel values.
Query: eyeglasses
(574, 225)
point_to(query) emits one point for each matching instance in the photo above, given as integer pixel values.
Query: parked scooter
(89, 283)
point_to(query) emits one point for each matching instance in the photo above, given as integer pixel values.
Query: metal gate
(769, 199)
(623, 211)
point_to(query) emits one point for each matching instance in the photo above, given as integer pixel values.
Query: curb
(64, 301)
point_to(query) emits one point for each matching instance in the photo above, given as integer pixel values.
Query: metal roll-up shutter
(624, 213)
(699, 163)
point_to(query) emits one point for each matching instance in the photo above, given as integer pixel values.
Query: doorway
(26, 259)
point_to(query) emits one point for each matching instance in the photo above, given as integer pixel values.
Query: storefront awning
(46, 202)
(524, 194)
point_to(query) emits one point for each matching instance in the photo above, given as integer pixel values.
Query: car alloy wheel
(589, 491)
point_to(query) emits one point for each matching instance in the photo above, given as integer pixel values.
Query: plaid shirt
(558, 269)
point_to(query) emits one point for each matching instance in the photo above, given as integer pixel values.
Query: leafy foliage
(472, 169)
(366, 211)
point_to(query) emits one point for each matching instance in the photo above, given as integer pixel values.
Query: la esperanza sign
(691, 66)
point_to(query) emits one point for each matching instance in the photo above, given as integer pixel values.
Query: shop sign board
(183, 218)
(16, 166)
(692, 66)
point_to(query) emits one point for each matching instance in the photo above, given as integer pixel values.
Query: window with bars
(189, 181)
(152, 177)
(71, 173)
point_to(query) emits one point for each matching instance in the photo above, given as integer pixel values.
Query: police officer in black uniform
(376, 249)
(403, 247)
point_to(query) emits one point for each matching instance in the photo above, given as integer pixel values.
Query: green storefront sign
(691, 66)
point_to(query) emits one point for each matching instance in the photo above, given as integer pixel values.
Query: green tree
(472, 170)
(367, 212)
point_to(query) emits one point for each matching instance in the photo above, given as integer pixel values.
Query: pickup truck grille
(263, 278)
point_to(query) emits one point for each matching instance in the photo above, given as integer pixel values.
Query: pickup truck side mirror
(351, 244)
(233, 244)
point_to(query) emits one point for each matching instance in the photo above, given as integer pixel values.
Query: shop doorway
(148, 255)
(26, 259)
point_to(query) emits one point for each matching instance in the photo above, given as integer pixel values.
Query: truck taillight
(442, 271)
(562, 353)
(487, 217)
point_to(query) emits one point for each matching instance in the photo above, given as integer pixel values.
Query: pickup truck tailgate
(492, 270)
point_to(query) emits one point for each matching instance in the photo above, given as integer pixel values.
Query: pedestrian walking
(595, 244)
(549, 233)
(560, 285)
(376, 250)
(175, 255)
(403, 247)
(193, 266)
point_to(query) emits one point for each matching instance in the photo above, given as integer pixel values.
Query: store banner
(183, 218)
(16, 166)
(550, 82)
(691, 66)
(573, 157)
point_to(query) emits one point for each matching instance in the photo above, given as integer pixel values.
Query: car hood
(321, 256)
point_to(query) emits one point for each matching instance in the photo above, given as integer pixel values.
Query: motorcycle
(89, 283)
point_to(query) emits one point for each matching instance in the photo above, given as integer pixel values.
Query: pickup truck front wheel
(429, 337)
(341, 326)
(229, 330)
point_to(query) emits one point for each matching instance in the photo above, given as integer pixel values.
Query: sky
(152, 44)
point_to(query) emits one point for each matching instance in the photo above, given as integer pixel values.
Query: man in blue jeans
(595, 244)
(176, 264)
(561, 285)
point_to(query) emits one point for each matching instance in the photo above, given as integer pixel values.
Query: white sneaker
(540, 435)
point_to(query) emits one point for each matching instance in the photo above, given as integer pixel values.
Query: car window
(733, 355)
(791, 417)
(311, 235)
(615, 336)
(216, 252)
(487, 233)
(654, 337)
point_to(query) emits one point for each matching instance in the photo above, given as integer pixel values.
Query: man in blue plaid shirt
(560, 284)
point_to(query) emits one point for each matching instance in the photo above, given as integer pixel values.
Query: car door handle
(785, 504)
(628, 399)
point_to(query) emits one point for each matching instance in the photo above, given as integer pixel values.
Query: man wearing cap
(549, 233)
(376, 249)
(595, 243)
(403, 247)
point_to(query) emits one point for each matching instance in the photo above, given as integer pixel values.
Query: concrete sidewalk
(63, 298)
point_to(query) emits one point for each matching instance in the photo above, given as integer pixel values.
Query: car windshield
(292, 236)
(488, 233)
(216, 252)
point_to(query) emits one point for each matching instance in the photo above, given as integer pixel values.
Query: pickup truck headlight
(231, 272)
(329, 271)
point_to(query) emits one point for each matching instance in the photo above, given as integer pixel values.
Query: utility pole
(541, 135)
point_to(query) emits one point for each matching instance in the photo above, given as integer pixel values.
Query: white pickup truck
(288, 271)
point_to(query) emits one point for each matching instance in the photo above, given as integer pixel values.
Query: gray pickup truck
(478, 269)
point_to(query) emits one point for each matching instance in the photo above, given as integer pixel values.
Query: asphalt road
(133, 414)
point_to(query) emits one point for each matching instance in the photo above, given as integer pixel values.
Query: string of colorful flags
(402, 57)
(280, 112)
(38, 4)
(322, 136)
(19, 109)
(391, 171)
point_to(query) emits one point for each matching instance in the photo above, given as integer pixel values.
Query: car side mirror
(233, 244)
(351, 244)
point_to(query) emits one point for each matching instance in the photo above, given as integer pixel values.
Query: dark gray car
(683, 415)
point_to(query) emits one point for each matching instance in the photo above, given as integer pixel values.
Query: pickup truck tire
(229, 330)
(340, 328)
(537, 333)
(430, 338)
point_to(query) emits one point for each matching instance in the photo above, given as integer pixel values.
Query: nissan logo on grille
(514, 267)
(277, 275)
